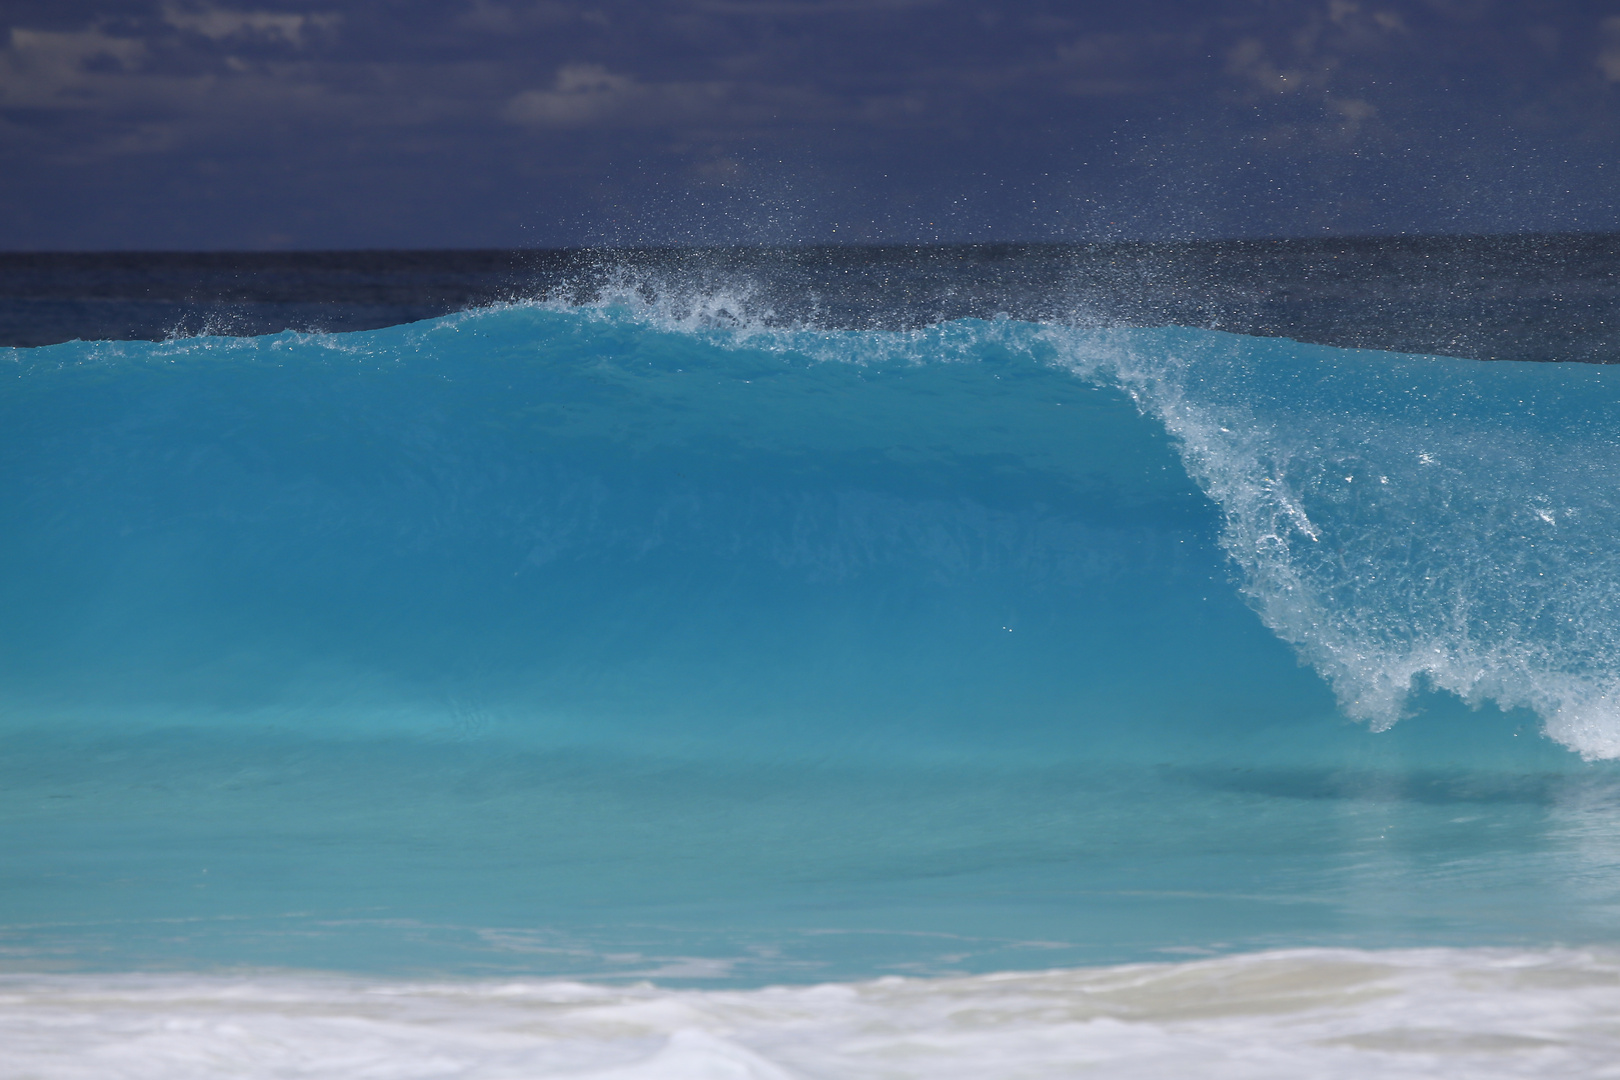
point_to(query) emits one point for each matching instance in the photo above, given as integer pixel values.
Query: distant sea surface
(1536, 297)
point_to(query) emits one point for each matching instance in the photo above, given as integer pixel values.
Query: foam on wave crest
(1408, 520)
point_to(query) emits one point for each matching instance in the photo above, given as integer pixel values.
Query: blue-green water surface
(578, 641)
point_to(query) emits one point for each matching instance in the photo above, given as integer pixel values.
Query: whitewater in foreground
(1284, 1015)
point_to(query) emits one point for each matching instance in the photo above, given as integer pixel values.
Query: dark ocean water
(1517, 297)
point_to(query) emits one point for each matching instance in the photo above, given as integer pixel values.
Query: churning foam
(1404, 521)
(1318, 1013)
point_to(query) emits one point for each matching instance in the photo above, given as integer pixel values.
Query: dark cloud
(498, 122)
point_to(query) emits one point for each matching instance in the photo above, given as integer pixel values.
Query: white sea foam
(1316, 1013)
(1406, 522)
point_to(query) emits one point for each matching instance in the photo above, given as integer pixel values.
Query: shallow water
(629, 642)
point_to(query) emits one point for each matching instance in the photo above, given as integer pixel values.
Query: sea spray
(1405, 519)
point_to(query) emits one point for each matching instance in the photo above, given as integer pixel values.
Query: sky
(324, 124)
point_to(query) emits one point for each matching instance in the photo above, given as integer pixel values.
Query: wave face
(622, 641)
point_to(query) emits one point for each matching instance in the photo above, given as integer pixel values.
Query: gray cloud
(589, 95)
(1608, 58)
(224, 24)
(892, 113)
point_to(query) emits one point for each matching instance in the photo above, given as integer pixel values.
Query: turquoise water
(601, 643)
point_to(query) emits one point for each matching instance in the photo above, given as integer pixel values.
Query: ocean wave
(664, 613)
(1402, 522)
